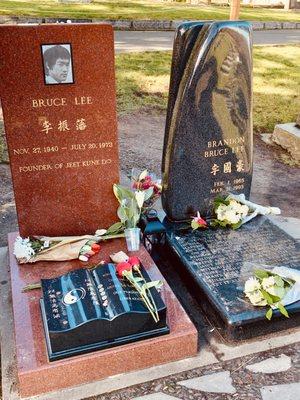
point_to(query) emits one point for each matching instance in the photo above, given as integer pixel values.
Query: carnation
(251, 285)
(256, 298)
(23, 249)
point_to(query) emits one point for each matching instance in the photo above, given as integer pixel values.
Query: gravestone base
(36, 375)
(215, 265)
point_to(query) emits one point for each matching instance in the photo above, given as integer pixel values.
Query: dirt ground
(141, 142)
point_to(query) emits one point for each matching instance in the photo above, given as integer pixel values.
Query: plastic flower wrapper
(130, 270)
(235, 210)
(275, 288)
(63, 248)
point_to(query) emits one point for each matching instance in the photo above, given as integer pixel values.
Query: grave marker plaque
(57, 90)
(208, 137)
(86, 310)
(216, 264)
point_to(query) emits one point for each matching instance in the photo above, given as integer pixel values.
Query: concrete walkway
(130, 41)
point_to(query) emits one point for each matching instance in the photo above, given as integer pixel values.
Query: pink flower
(199, 220)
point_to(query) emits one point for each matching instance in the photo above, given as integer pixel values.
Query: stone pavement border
(141, 25)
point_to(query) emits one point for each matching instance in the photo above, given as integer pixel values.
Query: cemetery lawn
(137, 9)
(143, 79)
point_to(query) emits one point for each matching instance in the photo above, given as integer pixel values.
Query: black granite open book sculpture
(86, 310)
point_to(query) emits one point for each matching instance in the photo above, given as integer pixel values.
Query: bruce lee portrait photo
(57, 60)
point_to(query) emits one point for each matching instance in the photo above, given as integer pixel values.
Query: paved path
(126, 41)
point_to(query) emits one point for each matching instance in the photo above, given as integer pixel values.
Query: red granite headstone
(57, 88)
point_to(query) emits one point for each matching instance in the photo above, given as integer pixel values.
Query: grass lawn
(143, 79)
(136, 9)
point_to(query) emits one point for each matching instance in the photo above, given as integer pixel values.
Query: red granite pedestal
(37, 375)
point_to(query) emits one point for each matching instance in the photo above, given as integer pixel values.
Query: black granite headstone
(216, 264)
(86, 310)
(208, 137)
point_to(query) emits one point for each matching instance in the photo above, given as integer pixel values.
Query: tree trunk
(234, 9)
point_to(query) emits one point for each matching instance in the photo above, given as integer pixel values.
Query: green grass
(143, 79)
(136, 9)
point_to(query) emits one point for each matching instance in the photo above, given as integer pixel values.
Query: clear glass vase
(132, 236)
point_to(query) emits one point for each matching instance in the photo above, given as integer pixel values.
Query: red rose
(134, 261)
(96, 247)
(146, 185)
(122, 267)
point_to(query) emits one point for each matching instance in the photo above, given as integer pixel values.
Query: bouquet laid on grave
(276, 289)
(233, 211)
(38, 248)
(129, 268)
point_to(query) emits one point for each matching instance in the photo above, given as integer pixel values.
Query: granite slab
(216, 263)
(61, 128)
(37, 375)
(208, 146)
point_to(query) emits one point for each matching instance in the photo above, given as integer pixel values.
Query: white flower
(251, 285)
(100, 232)
(232, 217)
(23, 249)
(256, 298)
(140, 197)
(221, 210)
(244, 210)
(268, 282)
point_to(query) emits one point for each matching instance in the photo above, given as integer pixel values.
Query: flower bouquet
(131, 271)
(276, 289)
(39, 248)
(143, 181)
(234, 211)
(133, 204)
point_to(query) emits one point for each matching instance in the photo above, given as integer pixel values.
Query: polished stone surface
(216, 264)
(88, 310)
(62, 138)
(36, 375)
(208, 138)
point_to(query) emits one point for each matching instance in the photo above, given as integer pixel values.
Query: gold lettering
(82, 100)
(56, 102)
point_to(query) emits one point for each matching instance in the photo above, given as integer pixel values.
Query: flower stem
(131, 279)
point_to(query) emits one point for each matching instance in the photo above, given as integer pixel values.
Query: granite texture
(208, 138)
(36, 375)
(62, 138)
(216, 263)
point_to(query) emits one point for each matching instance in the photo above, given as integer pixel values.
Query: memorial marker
(208, 138)
(57, 89)
(216, 264)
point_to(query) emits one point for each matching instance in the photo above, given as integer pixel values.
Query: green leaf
(237, 225)
(267, 296)
(269, 313)
(122, 193)
(122, 214)
(194, 225)
(283, 310)
(261, 273)
(279, 281)
(115, 228)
